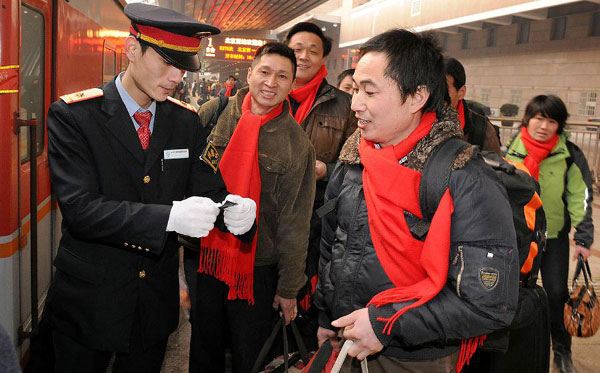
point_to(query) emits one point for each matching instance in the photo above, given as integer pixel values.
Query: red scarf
(417, 269)
(537, 151)
(461, 114)
(223, 255)
(229, 88)
(307, 94)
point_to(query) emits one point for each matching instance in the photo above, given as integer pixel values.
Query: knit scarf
(229, 88)
(307, 94)
(537, 151)
(417, 269)
(461, 114)
(223, 255)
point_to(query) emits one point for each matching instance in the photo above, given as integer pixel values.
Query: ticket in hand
(227, 204)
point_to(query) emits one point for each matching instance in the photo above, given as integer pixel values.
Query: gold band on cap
(168, 40)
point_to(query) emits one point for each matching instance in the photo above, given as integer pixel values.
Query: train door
(35, 228)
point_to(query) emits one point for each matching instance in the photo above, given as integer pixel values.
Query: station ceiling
(237, 15)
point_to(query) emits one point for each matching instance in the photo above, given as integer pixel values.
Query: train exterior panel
(48, 48)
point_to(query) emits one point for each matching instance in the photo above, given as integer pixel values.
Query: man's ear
(462, 92)
(418, 100)
(324, 60)
(249, 73)
(133, 48)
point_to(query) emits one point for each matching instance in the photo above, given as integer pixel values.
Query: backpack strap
(434, 182)
(436, 175)
(475, 130)
(215, 117)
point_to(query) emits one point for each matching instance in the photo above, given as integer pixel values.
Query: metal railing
(585, 134)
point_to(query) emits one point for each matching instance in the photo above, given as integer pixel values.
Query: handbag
(582, 313)
(328, 360)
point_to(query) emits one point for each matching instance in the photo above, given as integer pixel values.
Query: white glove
(239, 218)
(194, 216)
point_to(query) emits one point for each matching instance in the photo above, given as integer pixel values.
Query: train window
(109, 62)
(32, 77)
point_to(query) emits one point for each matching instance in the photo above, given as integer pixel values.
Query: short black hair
(414, 60)
(279, 49)
(231, 77)
(314, 29)
(456, 70)
(343, 74)
(549, 106)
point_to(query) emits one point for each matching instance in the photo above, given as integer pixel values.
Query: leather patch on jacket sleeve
(210, 156)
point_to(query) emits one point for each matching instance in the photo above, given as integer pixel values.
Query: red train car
(47, 48)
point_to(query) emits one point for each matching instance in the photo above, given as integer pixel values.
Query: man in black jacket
(476, 126)
(123, 195)
(413, 303)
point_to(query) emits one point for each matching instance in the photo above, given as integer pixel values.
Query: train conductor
(130, 168)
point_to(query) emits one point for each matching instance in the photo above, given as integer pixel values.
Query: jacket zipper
(459, 255)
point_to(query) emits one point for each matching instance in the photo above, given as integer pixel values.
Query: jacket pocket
(486, 277)
(72, 264)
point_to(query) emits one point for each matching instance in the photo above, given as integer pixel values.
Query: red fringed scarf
(418, 269)
(537, 151)
(229, 88)
(307, 94)
(461, 114)
(222, 255)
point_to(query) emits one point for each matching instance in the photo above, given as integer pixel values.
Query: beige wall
(368, 21)
(566, 68)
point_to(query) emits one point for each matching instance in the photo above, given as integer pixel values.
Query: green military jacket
(566, 188)
(286, 159)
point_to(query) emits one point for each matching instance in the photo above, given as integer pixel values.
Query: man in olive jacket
(286, 161)
(323, 111)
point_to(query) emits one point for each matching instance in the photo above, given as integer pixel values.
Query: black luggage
(528, 341)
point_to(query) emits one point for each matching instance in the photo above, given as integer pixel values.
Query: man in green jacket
(264, 155)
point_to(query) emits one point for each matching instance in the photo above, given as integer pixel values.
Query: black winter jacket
(350, 273)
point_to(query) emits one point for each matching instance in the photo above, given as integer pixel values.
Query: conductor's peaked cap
(176, 37)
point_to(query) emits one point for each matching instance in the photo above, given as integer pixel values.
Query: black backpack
(523, 194)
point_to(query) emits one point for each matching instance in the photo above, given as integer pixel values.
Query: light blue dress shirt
(132, 106)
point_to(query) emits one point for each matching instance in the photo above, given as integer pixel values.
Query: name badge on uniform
(176, 154)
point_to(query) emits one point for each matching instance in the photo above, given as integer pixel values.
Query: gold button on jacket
(142, 273)
(146, 179)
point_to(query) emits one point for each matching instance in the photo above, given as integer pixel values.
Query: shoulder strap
(434, 182)
(572, 148)
(436, 175)
(215, 117)
(476, 129)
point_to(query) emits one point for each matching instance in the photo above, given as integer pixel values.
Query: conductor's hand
(289, 309)
(194, 216)
(239, 218)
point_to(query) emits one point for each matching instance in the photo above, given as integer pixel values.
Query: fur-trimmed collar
(445, 127)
